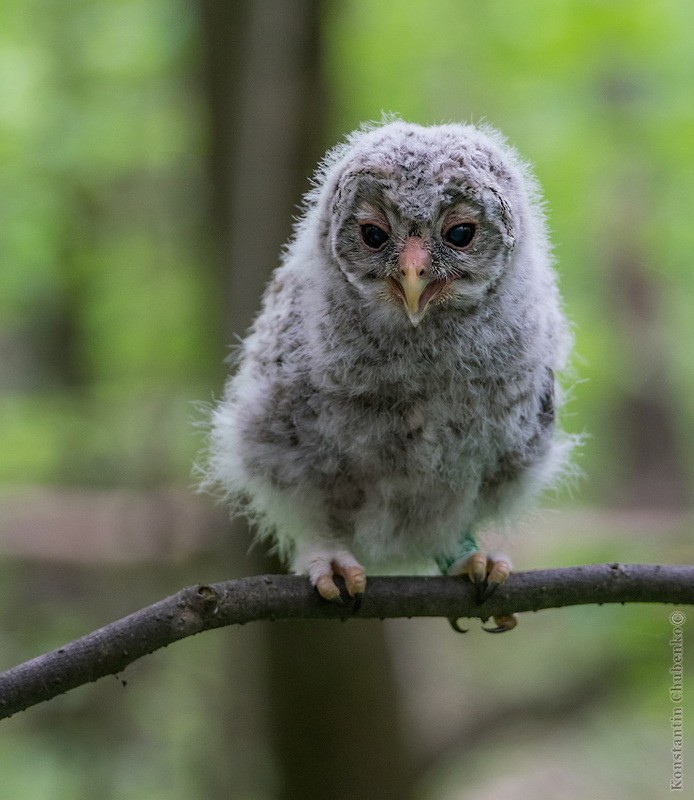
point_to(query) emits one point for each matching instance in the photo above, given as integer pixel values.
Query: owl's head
(423, 219)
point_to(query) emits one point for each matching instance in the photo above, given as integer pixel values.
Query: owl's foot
(487, 573)
(324, 565)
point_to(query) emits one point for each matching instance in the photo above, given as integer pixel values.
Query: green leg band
(465, 548)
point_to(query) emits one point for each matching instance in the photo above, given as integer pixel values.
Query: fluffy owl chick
(398, 387)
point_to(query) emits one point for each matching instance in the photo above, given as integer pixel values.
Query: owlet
(397, 388)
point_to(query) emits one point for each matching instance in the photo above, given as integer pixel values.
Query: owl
(398, 388)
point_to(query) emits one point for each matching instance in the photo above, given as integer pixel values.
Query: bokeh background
(152, 154)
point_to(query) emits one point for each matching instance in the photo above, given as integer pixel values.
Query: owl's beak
(414, 277)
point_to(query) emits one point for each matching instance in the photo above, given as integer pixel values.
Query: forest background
(152, 154)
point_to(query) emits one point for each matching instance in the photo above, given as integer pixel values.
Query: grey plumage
(398, 387)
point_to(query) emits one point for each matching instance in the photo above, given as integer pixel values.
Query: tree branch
(110, 649)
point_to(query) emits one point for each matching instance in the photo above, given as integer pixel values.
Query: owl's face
(420, 223)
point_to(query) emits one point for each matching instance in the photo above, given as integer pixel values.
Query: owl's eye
(460, 235)
(373, 236)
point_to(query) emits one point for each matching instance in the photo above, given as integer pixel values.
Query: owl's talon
(499, 567)
(355, 578)
(486, 572)
(322, 567)
(504, 623)
(358, 596)
(327, 589)
(476, 568)
(454, 624)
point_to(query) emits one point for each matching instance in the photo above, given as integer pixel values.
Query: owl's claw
(355, 578)
(504, 623)
(499, 566)
(327, 588)
(476, 568)
(324, 567)
(454, 624)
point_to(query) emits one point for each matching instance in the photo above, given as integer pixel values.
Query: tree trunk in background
(653, 466)
(645, 417)
(332, 713)
(335, 711)
(266, 134)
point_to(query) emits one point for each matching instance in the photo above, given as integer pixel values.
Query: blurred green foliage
(107, 306)
(109, 313)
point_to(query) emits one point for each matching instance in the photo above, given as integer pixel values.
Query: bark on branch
(110, 649)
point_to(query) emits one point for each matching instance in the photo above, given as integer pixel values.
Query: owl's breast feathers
(345, 406)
